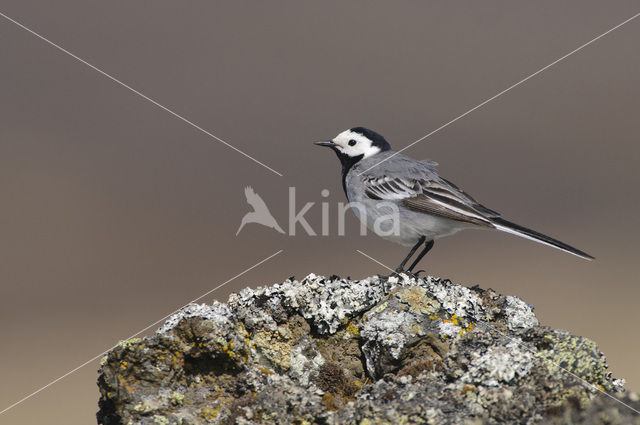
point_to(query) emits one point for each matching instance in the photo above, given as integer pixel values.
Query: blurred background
(115, 213)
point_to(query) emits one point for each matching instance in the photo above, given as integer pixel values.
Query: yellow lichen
(161, 420)
(418, 300)
(274, 347)
(329, 400)
(177, 399)
(381, 307)
(209, 414)
(454, 320)
(467, 328)
(353, 330)
(128, 343)
(265, 371)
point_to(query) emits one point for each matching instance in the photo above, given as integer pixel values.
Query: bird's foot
(401, 274)
(398, 272)
(386, 284)
(412, 274)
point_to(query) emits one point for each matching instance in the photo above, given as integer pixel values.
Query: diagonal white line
(136, 334)
(114, 79)
(522, 344)
(505, 90)
(376, 261)
(587, 383)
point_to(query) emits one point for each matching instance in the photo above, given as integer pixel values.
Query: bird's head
(356, 143)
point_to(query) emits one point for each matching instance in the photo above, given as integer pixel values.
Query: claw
(398, 273)
(414, 275)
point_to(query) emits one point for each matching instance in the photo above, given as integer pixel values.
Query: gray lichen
(334, 351)
(500, 364)
(519, 314)
(325, 302)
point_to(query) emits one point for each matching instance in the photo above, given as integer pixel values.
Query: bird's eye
(352, 142)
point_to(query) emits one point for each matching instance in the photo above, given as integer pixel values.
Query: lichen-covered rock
(619, 409)
(372, 351)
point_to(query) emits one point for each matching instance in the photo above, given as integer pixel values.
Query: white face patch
(362, 146)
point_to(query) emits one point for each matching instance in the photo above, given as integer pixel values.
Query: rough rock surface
(333, 351)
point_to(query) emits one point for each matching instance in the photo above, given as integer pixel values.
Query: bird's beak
(327, 143)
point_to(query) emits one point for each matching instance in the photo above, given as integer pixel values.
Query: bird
(379, 182)
(260, 213)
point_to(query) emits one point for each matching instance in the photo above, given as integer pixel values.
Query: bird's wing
(254, 199)
(387, 188)
(437, 197)
(476, 205)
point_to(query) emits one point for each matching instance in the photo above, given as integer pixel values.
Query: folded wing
(440, 198)
(444, 199)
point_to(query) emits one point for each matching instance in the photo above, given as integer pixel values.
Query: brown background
(115, 213)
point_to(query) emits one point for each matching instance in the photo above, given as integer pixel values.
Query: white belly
(406, 227)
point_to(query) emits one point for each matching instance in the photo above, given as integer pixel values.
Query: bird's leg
(427, 248)
(400, 268)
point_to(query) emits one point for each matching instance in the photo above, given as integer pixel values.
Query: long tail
(516, 229)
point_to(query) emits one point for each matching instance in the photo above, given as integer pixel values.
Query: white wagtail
(428, 206)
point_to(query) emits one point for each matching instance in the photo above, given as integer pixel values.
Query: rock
(372, 351)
